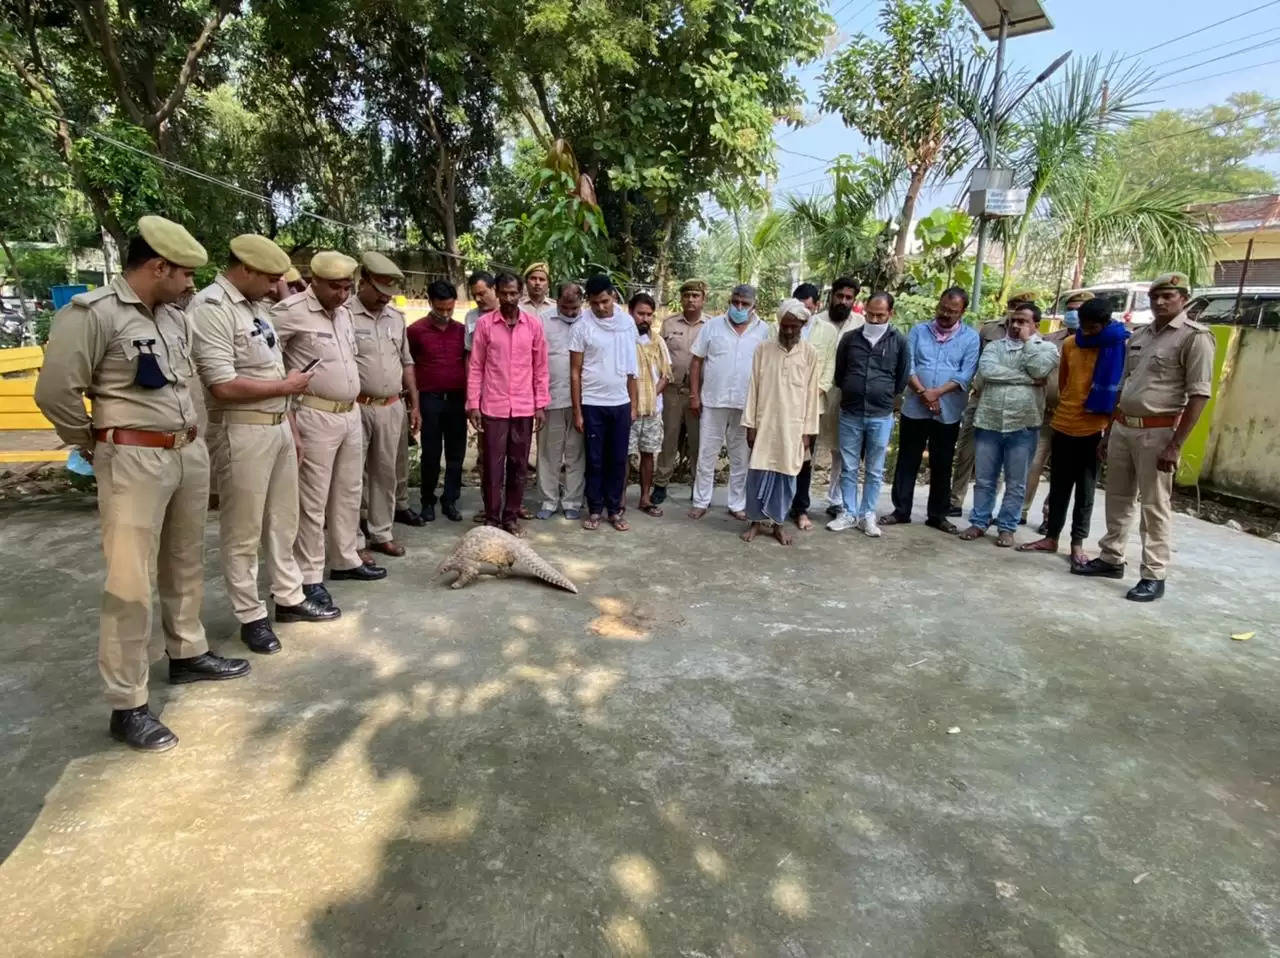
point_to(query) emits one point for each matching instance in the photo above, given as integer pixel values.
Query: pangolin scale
(489, 550)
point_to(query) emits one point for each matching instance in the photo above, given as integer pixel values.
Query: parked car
(1129, 301)
(1259, 306)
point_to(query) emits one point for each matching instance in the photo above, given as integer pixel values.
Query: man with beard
(653, 372)
(824, 332)
(560, 442)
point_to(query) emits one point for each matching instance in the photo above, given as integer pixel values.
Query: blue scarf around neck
(1108, 371)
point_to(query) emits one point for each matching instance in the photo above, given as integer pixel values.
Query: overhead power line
(1225, 56)
(1214, 76)
(1199, 30)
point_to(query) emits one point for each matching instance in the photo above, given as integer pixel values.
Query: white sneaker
(870, 526)
(842, 522)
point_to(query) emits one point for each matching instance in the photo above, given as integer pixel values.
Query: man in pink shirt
(508, 389)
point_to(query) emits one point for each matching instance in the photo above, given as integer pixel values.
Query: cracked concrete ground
(914, 746)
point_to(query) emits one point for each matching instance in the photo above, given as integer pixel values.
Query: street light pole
(980, 254)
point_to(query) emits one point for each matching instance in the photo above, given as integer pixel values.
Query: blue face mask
(1071, 319)
(738, 315)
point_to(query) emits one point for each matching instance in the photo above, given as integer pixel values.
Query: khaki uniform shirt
(543, 312)
(384, 349)
(307, 332)
(1163, 368)
(233, 339)
(94, 351)
(679, 334)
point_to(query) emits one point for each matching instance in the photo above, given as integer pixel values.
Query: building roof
(1244, 215)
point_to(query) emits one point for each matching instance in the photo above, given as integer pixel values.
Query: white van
(1129, 301)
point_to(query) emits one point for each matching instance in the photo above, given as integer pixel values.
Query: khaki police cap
(1077, 296)
(1171, 281)
(330, 264)
(534, 267)
(291, 275)
(172, 242)
(379, 269)
(694, 286)
(258, 252)
(1022, 296)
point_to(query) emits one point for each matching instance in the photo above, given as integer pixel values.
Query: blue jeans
(994, 452)
(859, 434)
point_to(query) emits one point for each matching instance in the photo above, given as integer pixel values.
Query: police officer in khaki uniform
(315, 334)
(240, 363)
(1168, 379)
(386, 369)
(129, 349)
(962, 467)
(679, 333)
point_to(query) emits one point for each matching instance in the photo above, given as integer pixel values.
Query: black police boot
(259, 637)
(410, 518)
(450, 511)
(659, 495)
(1147, 590)
(428, 512)
(1097, 567)
(361, 573)
(310, 609)
(139, 729)
(209, 667)
(317, 591)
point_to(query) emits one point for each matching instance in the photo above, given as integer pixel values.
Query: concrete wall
(1243, 452)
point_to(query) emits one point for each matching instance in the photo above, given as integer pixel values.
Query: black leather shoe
(954, 511)
(259, 637)
(361, 573)
(317, 591)
(834, 511)
(451, 512)
(410, 518)
(139, 729)
(209, 667)
(659, 495)
(429, 513)
(310, 609)
(1096, 567)
(1147, 590)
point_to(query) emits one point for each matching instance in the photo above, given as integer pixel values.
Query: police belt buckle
(181, 439)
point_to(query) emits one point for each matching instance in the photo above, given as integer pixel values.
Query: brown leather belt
(376, 400)
(326, 405)
(145, 437)
(1147, 422)
(246, 417)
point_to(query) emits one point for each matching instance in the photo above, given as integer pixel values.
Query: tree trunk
(1077, 274)
(908, 211)
(664, 254)
(628, 238)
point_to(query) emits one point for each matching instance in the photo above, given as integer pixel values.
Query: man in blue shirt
(943, 360)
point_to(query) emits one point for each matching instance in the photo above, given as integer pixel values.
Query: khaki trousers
(1134, 482)
(328, 491)
(559, 441)
(382, 427)
(153, 504)
(1038, 462)
(257, 470)
(962, 466)
(402, 463)
(828, 444)
(675, 413)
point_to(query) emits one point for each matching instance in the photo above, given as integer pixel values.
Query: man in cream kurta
(781, 419)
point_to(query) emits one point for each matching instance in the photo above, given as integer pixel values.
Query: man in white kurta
(781, 419)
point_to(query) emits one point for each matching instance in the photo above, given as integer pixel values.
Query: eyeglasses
(268, 335)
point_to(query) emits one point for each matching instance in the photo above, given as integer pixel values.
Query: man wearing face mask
(315, 326)
(824, 333)
(602, 381)
(720, 374)
(131, 349)
(1040, 461)
(438, 347)
(560, 442)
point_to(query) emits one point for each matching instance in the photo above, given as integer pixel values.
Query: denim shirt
(935, 364)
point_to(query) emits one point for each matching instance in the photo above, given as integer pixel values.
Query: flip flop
(649, 509)
(1037, 547)
(591, 523)
(619, 523)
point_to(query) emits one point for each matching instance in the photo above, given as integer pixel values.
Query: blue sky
(1085, 27)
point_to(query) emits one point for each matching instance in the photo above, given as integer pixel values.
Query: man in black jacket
(872, 367)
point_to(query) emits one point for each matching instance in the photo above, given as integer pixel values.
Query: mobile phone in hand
(310, 366)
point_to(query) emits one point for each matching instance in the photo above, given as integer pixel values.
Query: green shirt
(1010, 384)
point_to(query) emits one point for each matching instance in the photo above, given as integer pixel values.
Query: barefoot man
(781, 418)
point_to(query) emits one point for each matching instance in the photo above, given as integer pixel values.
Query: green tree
(1206, 152)
(892, 91)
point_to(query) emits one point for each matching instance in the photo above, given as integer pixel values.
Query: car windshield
(1255, 310)
(1117, 299)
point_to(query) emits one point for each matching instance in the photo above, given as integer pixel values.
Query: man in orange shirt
(1084, 411)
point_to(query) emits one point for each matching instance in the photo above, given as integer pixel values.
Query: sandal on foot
(973, 532)
(591, 523)
(649, 509)
(1004, 540)
(1040, 545)
(620, 523)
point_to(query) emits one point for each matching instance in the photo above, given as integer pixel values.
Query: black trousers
(1073, 467)
(800, 504)
(914, 435)
(444, 423)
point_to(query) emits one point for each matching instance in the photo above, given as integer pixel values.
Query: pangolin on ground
(487, 550)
